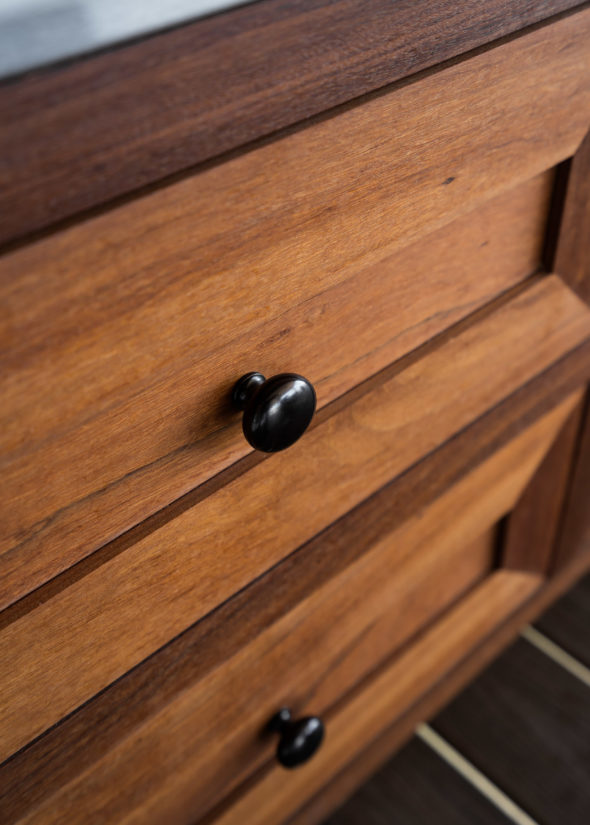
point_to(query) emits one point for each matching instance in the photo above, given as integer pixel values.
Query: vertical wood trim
(532, 527)
(574, 535)
(572, 263)
(572, 257)
(548, 526)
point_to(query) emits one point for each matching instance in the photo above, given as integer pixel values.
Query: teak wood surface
(118, 436)
(283, 222)
(117, 405)
(574, 538)
(572, 258)
(271, 799)
(551, 523)
(207, 734)
(151, 590)
(112, 436)
(365, 762)
(121, 120)
(107, 762)
(533, 527)
(72, 752)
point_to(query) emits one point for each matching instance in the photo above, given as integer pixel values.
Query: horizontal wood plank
(96, 439)
(138, 600)
(148, 110)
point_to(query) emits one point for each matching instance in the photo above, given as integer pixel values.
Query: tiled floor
(514, 747)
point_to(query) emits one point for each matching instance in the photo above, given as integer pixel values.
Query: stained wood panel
(153, 589)
(386, 309)
(574, 538)
(154, 108)
(270, 800)
(414, 787)
(316, 809)
(108, 772)
(71, 754)
(112, 411)
(92, 771)
(198, 745)
(572, 259)
(526, 724)
(532, 528)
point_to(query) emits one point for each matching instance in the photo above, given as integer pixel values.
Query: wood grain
(365, 763)
(525, 723)
(151, 109)
(160, 773)
(206, 724)
(532, 528)
(349, 634)
(572, 258)
(575, 529)
(70, 771)
(73, 749)
(152, 590)
(118, 436)
(411, 787)
(391, 691)
(222, 238)
(567, 622)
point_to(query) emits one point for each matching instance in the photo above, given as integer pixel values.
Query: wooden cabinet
(420, 254)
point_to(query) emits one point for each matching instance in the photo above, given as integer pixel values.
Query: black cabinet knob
(299, 738)
(277, 410)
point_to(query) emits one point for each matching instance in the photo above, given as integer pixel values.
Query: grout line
(474, 776)
(558, 654)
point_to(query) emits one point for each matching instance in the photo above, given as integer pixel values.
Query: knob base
(299, 738)
(245, 387)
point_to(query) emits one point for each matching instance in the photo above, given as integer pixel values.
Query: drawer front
(387, 310)
(275, 798)
(172, 738)
(117, 371)
(175, 570)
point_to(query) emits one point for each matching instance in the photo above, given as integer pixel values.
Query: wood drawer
(164, 590)
(126, 331)
(173, 570)
(395, 690)
(174, 736)
(387, 309)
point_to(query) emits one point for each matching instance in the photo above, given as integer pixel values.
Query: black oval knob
(299, 738)
(277, 410)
